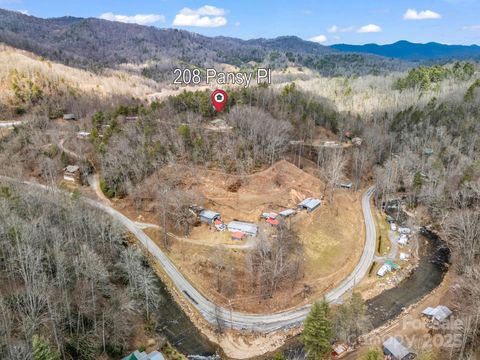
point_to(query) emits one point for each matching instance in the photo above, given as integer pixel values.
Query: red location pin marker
(219, 99)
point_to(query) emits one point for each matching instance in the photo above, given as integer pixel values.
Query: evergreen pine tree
(42, 351)
(317, 333)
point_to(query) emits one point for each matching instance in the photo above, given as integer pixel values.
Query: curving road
(239, 320)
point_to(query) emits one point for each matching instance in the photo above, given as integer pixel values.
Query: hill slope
(100, 43)
(416, 52)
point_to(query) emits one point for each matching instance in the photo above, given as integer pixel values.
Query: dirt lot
(332, 235)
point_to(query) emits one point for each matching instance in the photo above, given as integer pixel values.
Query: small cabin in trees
(71, 173)
(69, 117)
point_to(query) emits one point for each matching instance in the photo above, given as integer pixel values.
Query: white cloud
(471, 28)
(338, 29)
(318, 39)
(141, 19)
(412, 14)
(237, 24)
(370, 28)
(206, 16)
(24, 12)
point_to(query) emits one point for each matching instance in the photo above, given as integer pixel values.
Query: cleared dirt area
(332, 235)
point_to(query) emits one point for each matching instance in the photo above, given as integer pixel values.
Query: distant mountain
(93, 43)
(406, 50)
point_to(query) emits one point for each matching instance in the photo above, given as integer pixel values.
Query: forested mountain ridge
(94, 43)
(406, 50)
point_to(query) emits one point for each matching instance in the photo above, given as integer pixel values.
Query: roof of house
(72, 168)
(137, 355)
(209, 214)
(396, 348)
(440, 313)
(245, 227)
(286, 212)
(383, 270)
(310, 203)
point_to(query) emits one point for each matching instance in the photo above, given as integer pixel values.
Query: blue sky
(327, 22)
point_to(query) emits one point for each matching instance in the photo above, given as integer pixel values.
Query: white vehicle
(393, 227)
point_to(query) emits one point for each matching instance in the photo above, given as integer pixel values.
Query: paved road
(239, 320)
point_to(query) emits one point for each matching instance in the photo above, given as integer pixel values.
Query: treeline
(424, 77)
(71, 287)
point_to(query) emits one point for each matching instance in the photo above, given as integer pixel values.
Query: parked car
(393, 227)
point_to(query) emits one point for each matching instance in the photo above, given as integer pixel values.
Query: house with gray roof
(247, 228)
(439, 313)
(309, 204)
(396, 350)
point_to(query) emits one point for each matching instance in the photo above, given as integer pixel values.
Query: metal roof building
(287, 212)
(395, 348)
(310, 204)
(247, 228)
(440, 313)
(208, 216)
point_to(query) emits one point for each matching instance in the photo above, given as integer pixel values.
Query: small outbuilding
(345, 184)
(396, 350)
(208, 216)
(71, 173)
(137, 355)
(309, 204)
(439, 313)
(247, 228)
(286, 213)
(70, 117)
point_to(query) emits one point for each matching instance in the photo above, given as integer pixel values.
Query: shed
(208, 216)
(345, 184)
(137, 355)
(287, 213)
(440, 313)
(309, 204)
(71, 173)
(247, 228)
(270, 215)
(394, 348)
(339, 350)
(69, 117)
